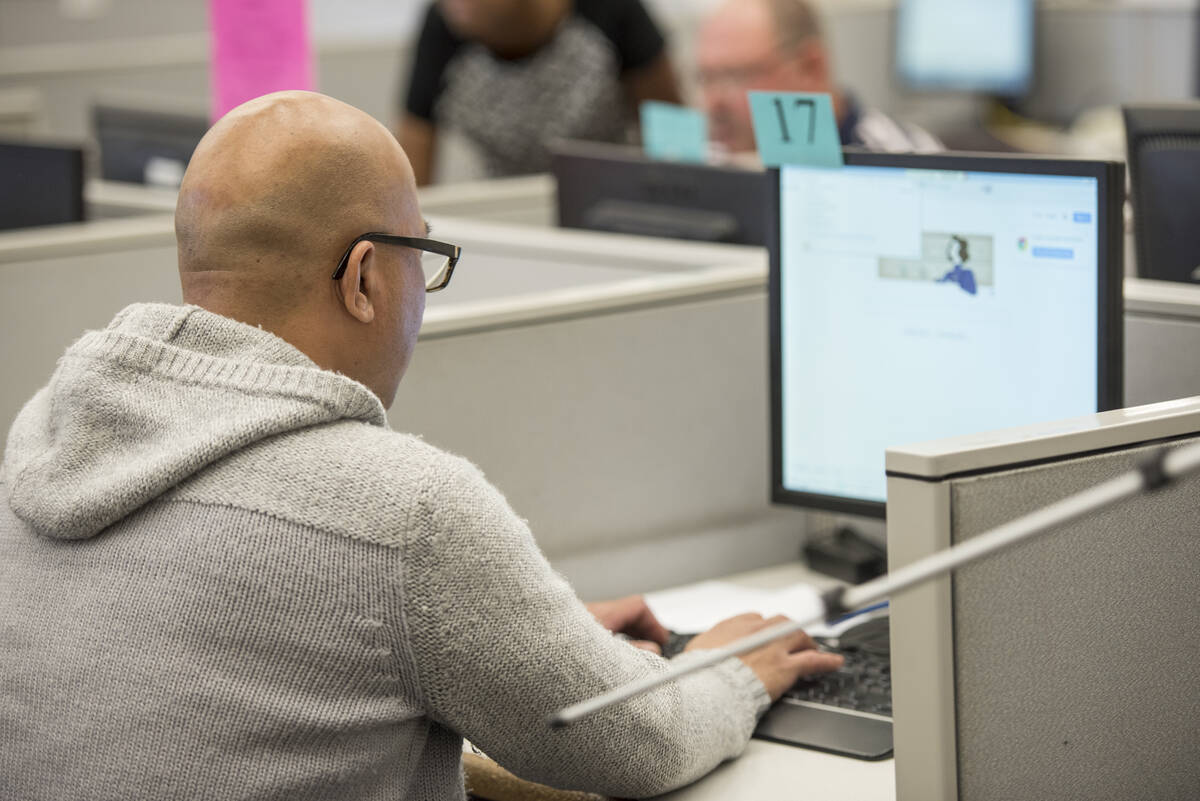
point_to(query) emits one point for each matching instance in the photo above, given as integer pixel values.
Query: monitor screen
(917, 298)
(966, 45)
(42, 185)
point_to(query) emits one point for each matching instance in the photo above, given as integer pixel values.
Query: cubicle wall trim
(635, 252)
(565, 304)
(87, 238)
(1167, 300)
(538, 187)
(1041, 442)
(922, 632)
(138, 197)
(1004, 467)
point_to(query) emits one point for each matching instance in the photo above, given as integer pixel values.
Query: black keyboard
(865, 681)
(845, 712)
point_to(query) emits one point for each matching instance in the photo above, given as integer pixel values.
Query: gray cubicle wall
(613, 387)
(60, 281)
(1067, 667)
(627, 420)
(1162, 341)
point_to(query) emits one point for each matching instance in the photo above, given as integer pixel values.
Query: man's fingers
(813, 661)
(647, 625)
(796, 641)
(647, 645)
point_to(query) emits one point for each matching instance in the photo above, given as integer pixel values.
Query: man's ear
(352, 286)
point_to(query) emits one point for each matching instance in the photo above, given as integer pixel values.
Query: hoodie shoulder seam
(398, 545)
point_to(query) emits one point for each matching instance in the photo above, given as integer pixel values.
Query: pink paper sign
(258, 47)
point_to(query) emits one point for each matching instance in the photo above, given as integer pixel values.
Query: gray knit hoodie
(222, 576)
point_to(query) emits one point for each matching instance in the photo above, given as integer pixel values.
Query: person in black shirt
(511, 76)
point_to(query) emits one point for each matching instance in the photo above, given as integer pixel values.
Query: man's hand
(630, 616)
(779, 663)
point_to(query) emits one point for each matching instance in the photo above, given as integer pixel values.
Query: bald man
(222, 576)
(776, 45)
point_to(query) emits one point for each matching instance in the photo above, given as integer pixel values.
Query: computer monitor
(42, 185)
(144, 146)
(915, 297)
(616, 189)
(1163, 143)
(966, 45)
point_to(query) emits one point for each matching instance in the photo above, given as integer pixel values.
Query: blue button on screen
(1053, 253)
(1083, 217)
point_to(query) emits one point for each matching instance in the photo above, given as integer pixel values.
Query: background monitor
(1163, 144)
(966, 45)
(144, 146)
(915, 297)
(42, 185)
(616, 189)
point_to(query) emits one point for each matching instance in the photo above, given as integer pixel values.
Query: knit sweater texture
(222, 576)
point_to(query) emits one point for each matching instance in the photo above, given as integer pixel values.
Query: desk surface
(770, 770)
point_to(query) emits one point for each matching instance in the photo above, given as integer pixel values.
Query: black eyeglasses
(437, 258)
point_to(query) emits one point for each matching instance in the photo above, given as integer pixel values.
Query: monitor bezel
(1110, 183)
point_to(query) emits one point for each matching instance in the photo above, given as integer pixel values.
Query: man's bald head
(278, 188)
(273, 195)
(789, 21)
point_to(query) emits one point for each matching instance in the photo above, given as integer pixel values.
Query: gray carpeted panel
(1077, 656)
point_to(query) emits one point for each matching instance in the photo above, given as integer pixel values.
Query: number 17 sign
(795, 128)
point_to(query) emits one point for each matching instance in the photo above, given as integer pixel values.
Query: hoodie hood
(162, 393)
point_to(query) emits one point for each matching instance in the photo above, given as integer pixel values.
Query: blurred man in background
(511, 76)
(776, 45)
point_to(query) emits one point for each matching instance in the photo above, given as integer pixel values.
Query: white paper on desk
(699, 607)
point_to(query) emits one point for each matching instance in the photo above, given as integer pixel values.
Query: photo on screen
(959, 258)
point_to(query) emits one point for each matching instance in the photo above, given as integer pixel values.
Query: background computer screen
(145, 146)
(1163, 142)
(40, 185)
(912, 304)
(610, 188)
(966, 45)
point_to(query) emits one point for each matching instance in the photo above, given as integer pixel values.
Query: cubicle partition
(1066, 667)
(613, 387)
(1162, 341)
(625, 416)
(62, 280)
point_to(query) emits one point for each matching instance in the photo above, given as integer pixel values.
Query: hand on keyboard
(632, 618)
(778, 664)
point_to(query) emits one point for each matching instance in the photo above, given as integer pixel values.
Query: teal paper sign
(795, 128)
(674, 133)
